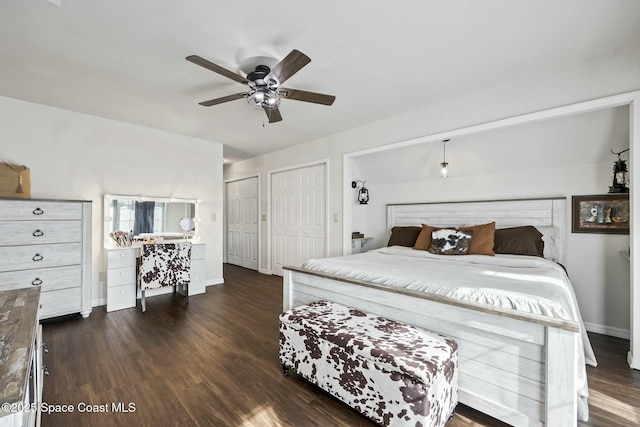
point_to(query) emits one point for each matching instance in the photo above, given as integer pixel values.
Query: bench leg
(285, 370)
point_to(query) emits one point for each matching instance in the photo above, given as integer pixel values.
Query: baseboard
(98, 302)
(265, 271)
(608, 330)
(218, 281)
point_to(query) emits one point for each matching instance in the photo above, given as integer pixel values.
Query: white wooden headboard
(541, 213)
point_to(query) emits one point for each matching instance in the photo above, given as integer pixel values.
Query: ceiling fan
(264, 83)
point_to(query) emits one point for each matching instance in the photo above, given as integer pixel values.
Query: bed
(522, 344)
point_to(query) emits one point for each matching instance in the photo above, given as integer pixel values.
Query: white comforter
(524, 283)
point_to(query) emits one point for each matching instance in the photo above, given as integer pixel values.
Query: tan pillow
(424, 238)
(482, 240)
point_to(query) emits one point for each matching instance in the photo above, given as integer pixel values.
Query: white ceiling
(124, 59)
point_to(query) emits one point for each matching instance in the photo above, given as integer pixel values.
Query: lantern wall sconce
(620, 182)
(363, 193)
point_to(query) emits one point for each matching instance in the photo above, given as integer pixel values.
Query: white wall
(538, 90)
(82, 157)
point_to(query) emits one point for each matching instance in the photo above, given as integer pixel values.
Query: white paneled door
(298, 219)
(242, 222)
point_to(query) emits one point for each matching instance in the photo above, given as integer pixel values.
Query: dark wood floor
(214, 362)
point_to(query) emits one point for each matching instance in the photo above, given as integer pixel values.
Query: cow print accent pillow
(450, 242)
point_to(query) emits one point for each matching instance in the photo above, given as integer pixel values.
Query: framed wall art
(602, 213)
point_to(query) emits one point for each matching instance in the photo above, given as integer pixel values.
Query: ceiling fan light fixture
(262, 98)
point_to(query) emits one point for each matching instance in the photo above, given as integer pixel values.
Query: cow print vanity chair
(164, 264)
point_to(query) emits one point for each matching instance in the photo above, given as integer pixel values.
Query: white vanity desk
(169, 226)
(122, 291)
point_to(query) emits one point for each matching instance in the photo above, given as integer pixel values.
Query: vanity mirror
(138, 218)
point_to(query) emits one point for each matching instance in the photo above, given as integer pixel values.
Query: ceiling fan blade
(303, 95)
(216, 68)
(223, 99)
(273, 115)
(291, 64)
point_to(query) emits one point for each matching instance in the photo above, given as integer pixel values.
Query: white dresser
(122, 291)
(47, 243)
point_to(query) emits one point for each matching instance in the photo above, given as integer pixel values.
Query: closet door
(242, 223)
(298, 216)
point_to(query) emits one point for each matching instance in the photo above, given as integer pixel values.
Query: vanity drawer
(198, 251)
(39, 232)
(50, 279)
(39, 256)
(57, 303)
(117, 258)
(39, 210)
(197, 282)
(121, 276)
(119, 297)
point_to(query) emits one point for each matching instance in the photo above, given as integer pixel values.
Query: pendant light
(444, 166)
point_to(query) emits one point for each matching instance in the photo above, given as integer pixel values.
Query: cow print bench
(393, 373)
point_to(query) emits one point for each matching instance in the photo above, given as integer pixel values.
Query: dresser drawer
(198, 251)
(39, 256)
(57, 303)
(121, 276)
(117, 258)
(39, 210)
(119, 297)
(50, 279)
(39, 232)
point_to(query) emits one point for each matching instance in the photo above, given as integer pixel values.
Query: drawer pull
(38, 211)
(38, 233)
(37, 257)
(36, 282)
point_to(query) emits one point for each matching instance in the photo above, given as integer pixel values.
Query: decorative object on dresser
(15, 181)
(21, 369)
(187, 224)
(47, 243)
(603, 214)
